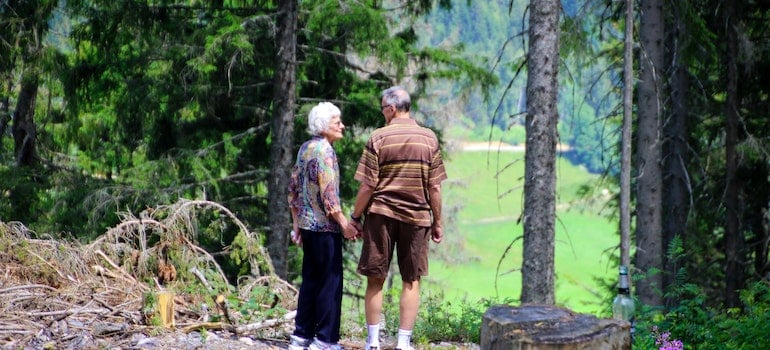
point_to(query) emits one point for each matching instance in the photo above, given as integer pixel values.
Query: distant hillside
(481, 255)
(490, 33)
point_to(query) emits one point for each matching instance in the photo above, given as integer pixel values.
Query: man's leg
(373, 310)
(410, 304)
(373, 299)
(412, 249)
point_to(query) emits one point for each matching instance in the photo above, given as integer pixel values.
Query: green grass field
(484, 197)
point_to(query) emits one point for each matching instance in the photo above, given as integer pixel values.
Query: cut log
(544, 327)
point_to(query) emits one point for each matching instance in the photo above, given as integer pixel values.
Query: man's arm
(362, 201)
(437, 231)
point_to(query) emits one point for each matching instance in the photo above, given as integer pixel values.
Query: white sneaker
(298, 343)
(319, 345)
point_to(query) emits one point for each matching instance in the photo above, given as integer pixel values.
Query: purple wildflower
(664, 342)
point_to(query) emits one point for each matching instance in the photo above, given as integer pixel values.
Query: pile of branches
(57, 293)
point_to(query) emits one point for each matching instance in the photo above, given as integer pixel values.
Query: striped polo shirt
(401, 161)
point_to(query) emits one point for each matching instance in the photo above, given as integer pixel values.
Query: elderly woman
(318, 223)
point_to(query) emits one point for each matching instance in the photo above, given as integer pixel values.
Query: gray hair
(320, 116)
(398, 97)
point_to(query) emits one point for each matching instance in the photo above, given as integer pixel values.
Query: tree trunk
(649, 243)
(625, 156)
(281, 155)
(734, 240)
(23, 128)
(5, 117)
(754, 175)
(676, 181)
(540, 156)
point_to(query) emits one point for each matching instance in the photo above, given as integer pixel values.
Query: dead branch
(28, 286)
(267, 323)
(207, 326)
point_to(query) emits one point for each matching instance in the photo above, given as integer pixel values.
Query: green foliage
(19, 193)
(151, 102)
(261, 304)
(439, 320)
(355, 24)
(241, 250)
(699, 322)
(149, 307)
(700, 326)
(444, 321)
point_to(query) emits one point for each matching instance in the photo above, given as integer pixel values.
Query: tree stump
(543, 327)
(166, 309)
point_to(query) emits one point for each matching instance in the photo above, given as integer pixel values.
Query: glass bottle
(623, 305)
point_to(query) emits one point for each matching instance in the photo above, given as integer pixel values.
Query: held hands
(352, 230)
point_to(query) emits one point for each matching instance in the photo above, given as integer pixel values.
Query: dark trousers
(320, 296)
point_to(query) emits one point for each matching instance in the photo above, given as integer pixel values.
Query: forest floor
(57, 294)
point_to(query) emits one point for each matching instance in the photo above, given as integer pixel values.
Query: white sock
(404, 339)
(374, 335)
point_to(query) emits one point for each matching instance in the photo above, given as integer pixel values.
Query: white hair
(320, 116)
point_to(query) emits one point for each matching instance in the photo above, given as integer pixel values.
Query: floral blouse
(314, 187)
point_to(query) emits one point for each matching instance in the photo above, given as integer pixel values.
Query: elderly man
(400, 171)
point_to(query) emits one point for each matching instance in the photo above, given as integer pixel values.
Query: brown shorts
(381, 235)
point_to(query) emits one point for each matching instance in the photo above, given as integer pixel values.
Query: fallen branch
(267, 323)
(27, 286)
(125, 275)
(207, 326)
(201, 277)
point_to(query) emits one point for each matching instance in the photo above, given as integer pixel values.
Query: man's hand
(358, 227)
(437, 233)
(351, 231)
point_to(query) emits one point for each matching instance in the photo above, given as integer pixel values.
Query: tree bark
(734, 239)
(626, 141)
(544, 327)
(540, 155)
(676, 180)
(282, 136)
(649, 243)
(23, 128)
(5, 115)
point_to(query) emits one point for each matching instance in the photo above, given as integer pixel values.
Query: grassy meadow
(481, 255)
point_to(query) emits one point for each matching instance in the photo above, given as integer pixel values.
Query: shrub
(701, 327)
(439, 320)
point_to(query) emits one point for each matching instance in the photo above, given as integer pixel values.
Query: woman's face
(335, 129)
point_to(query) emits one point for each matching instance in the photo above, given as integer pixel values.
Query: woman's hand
(350, 231)
(296, 236)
